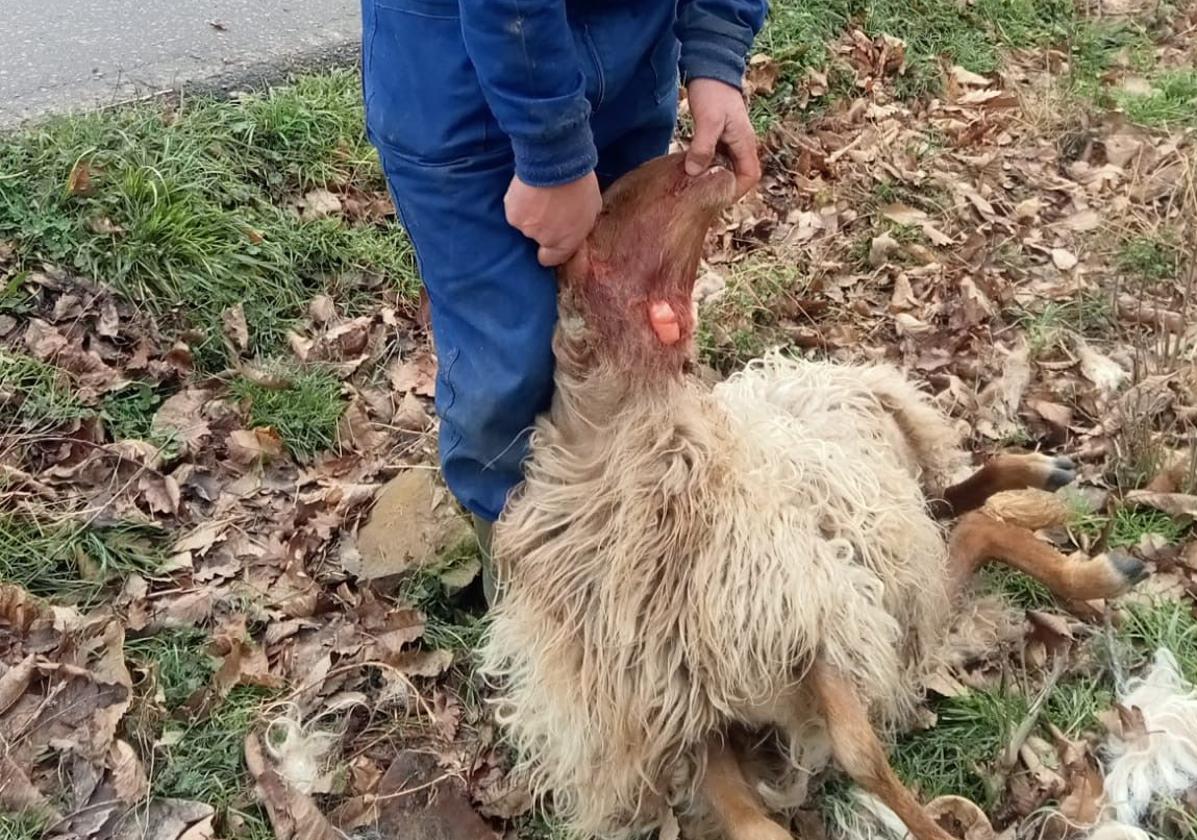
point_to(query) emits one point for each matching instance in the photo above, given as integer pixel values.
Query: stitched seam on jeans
(600, 77)
(667, 86)
(422, 8)
(450, 401)
(367, 58)
(496, 153)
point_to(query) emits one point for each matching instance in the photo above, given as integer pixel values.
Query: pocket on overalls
(664, 61)
(423, 99)
(592, 65)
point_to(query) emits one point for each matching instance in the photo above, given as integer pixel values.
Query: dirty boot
(483, 529)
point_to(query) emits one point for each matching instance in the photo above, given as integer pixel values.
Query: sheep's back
(834, 466)
(669, 568)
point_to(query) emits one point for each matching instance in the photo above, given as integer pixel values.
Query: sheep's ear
(576, 270)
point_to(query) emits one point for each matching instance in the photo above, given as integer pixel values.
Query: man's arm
(716, 36)
(523, 52)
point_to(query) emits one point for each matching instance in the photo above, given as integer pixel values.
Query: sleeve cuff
(565, 158)
(716, 58)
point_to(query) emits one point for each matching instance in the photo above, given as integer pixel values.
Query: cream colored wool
(1161, 760)
(677, 555)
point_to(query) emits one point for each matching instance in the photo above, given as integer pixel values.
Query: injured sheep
(709, 595)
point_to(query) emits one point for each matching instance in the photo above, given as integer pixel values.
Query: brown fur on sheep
(683, 564)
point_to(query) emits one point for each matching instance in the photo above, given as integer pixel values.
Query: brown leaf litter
(962, 238)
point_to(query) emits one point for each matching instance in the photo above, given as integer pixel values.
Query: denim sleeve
(524, 54)
(716, 36)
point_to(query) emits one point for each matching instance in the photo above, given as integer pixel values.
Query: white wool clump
(1119, 831)
(870, 819)
(300, 751)
(1163, 760)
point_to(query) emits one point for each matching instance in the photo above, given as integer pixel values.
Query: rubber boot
(483, 530)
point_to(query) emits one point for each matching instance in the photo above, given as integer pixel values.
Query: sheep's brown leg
(1008, 472)
(740, 812)
(858, 751)
(978, 538)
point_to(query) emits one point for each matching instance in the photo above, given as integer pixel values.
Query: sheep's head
(632, 283)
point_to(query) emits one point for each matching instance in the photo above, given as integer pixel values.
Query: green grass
(1166, 623)
(1171, 104)
(542, 825)
(1151, 258)
(1129, 525)
(1074, 704)
(1051, 324)
(1021, 590)
(179, 661)
(747, 318)
(27, 825)
(955, 756)
(305, 413)
(65, 559)
(1172, 818)
(449, 623)
(34, 396)
(128, 414)
(206, 762)
(193, 194)
(936, 31)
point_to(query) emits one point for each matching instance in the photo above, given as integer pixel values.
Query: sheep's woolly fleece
(681, 553)
(1160, 760)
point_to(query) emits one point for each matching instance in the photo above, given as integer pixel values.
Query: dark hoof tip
(1129, 567)
(1062, 462)
(1060, 476)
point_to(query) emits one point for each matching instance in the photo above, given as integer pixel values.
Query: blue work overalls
(461, 94)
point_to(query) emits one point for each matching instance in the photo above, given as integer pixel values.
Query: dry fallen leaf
(761, 75)
(1064, 259)
(168, 819)
(416, 375)
(881, 249)
(181, 415)
(904, 215)
(322, 309)
(236, 330)
(1099, 369)
(1082, 804)
(104, 226)
(14, 681)
(961, 817)
(17, 793)
(1057, 415)
(419, 801)
(999, 402)
(248, 446)
(320, 203)
(79, 182)
(408, 527)
(968, 78)
(292, 815)
(424, 663)
(1173, 504)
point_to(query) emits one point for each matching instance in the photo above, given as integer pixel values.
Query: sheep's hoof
(1129, 568)
(1061, 471)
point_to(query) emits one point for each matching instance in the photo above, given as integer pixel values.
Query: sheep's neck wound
(664, 322)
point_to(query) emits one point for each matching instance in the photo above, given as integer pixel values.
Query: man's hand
(557, 218)
(721, 119)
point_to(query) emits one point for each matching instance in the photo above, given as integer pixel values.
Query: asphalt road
(61, 55)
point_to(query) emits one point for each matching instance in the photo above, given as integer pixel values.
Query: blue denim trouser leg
(448, 165)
